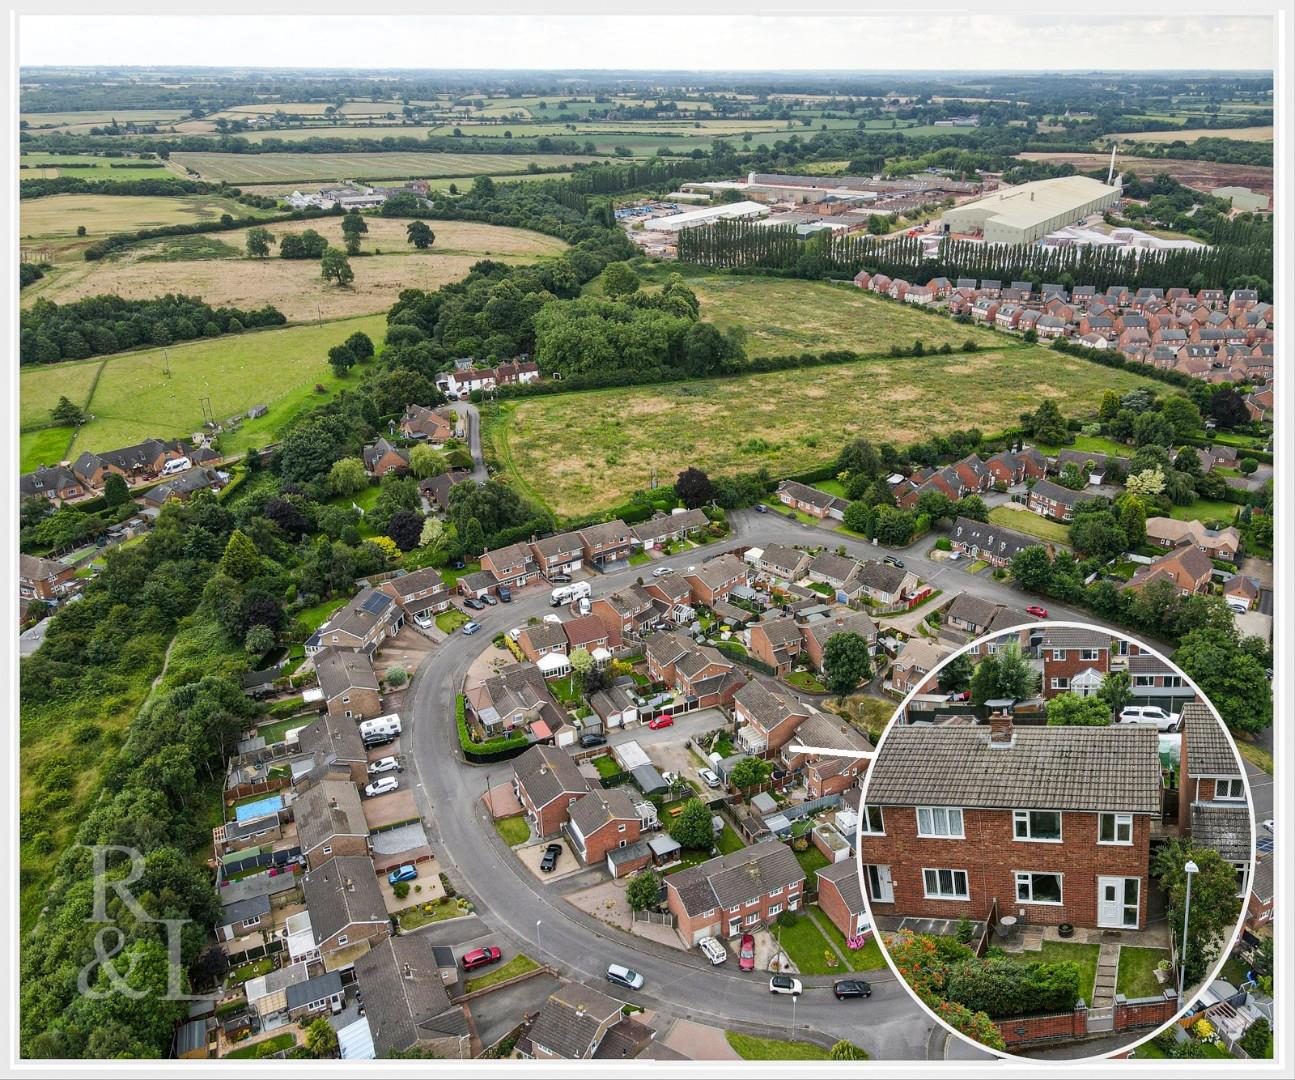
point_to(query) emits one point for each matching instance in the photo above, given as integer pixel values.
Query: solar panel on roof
(376, 603)
(1264, 845)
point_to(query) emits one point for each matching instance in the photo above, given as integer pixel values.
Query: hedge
(480, 753)
(1003, 988)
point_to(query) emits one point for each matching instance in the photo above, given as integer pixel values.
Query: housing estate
(735, 893)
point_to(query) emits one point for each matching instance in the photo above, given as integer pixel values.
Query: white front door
(880, 889)
(1117, 902)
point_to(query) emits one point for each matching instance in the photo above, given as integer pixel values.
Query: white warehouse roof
(705, 215)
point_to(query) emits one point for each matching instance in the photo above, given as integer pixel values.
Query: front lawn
(515, 830)
(639, 558)
(807, 681)
(286, 1041)
(432, 911)
(755, 1048)
(1137, 974)
(449, 621)
(518, 965)
(606, 766)
(1205, 510)
(868, 958)
(977, 566)
(1055, 952)
(1029, 523)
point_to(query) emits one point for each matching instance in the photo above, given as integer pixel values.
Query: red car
(661, 721)
(480, 957)
(1037, 612)
(746, 954)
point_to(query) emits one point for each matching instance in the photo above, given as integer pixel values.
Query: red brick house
(1052, 500)
(841, 898)
(330, 822)
(589, 633)
(766, 717)
(1047, 824)
(348, 683)
(627, 613)
(54, 482)
(1212, 806)
(735, 893)
(1216, 543)
(382, 458)
(776, 642)
(43, 579)
(697, 672)
(420, 422)
(809, 500)
(513, 565)
(825, 774)
(542, 639)
(714, 579)
(345, 904)
(419, 593)
(560, 554)
(673, 597)
(816, 634)
(607, 544)
(783, 563)
(547, 782)
(1075, 661)
(601, 821)
(1188, 568)
(364, 623)
(918, 659)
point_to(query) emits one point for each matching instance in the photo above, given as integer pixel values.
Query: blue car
(471, 627)
(402, 873)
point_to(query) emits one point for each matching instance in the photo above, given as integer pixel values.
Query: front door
(1117, 902)
(880, 889)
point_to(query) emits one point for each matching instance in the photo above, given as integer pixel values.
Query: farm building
(1028, 212)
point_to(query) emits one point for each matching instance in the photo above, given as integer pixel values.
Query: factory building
(1027, 213)
(705, 215)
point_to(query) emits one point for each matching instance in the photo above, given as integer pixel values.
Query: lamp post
(537, 936)
(1190, 870)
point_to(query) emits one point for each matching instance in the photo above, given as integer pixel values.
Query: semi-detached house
(735, 893)
(1212, 806)
(600, 822)
(1075, 661)
(547, 782)
(560, 554)
(699, 673)
(345, 904)
(330, 823)
(766, 717)
(606, 545)
(716, 578)
(512, 565)
(349, 684)
(1047, 824)
(1052, 500)
(783, 563)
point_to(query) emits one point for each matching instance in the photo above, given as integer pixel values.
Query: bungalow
(817, 632)
(992, 543)
(776, 642)
(435, 491)
(43, 579)
(57, 483)
(606, 545)
(697, 672)
(547, 782)
(1187, 568)
(735, 893)
(365, 623)
(419, 593)
(406, 1003)
(345, 904)
(840, 895)
(600, 822)
(433, 425)
(810, 500)
(560, 554)
(512, 566)
(382, 458)
(1216, 543)
(184, 486)
(330, 823)
(662, 528)
(318, 995)
(783, 563)
(716, 578)
(348, 683)
(1052, 500)
(970, 613)
(766, 717)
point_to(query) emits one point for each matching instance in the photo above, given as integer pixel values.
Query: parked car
(746, 953)
(515, 633)
(560, 579)
(480, 957)
(592, 738)
(385, 764)
(458, 564)
(381, 787)
(423, 621)
(471, 627)
(623, 976)
(505, 594)
(378, 738)
(785, 984)
(550, 861)
(555, 619)
(488, 599)
(402, 873)
(852, 988)
(760, 508)
(662, 571)
(890, 560)
(662, 721)
(708, 778)
(1150, 714)
(712, 950)
(1037, 611)
(473, 604)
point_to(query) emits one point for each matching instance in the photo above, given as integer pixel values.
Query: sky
(1080, 39)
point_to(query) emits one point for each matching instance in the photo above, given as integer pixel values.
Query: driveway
(533, 854)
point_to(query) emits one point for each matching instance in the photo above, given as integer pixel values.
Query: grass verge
(515, 830)
(756, 1048)
(518, 965)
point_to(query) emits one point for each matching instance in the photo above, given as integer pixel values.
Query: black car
(372, 742)
(852, 988)
(473, 603)
(592, 739)
(560, 579)
(890, 560)
(550, 861)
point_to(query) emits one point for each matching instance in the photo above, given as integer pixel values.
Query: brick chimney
(1000, 729)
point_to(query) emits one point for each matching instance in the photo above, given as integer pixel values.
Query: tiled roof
(882, 576)
(545, 635)
(780, 631)
(767, 704)
(1046, 768)
(405, 1000)
(781, 557)
(606, 534)
(1209, 750)
(548, 773)
(342, 891)
(858, 623)
(591, 812)
(330, 808)
(992, 539)
(719, 570)
(337, 738)
(568, 1022)
(1046, 489)
(366, 610)
(567, 543)
(972, 609)
(737, 877)
(1073, 637)
(845, 877)
(833, 567)
(1223, 828)
(340, 670)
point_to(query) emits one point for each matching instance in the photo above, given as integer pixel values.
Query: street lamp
(1190, 870)
(537, 936)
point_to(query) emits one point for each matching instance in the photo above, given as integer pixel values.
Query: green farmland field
(580, 452)
(134, 400)
(32, 166)
(289, 167)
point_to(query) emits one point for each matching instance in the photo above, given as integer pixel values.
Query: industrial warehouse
(1026, 214)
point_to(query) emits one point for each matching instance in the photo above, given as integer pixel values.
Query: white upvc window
(1230, 788)
(753, 918)
(776, 892)
(708, 914)
(735, 909)
(945, 884)
(1038, 888)
(1039, 826)
(255, 920)
(1089, 654)
(1060, 682)
(871, 821)
(1058, 654)
(328, 849)
(1115, 829)
(774, 909)
(343, 939)
(944, 822)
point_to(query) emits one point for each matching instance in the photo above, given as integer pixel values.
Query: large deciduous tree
(420, 234)
(694, 487)
(692, 828)
(335, 266)
(1071, 710)
(846, 662)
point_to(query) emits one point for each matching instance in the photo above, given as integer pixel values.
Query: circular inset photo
(1055, 844)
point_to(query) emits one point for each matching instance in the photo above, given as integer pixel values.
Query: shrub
(1255, 1041)
(944, 544)
(965, 930)
(1002, 988)
(397, 676)
(401, 889)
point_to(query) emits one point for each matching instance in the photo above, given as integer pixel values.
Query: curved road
(532, 916)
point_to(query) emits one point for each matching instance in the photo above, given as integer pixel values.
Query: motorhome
(179, 465)
(380, 725)
(566, 594)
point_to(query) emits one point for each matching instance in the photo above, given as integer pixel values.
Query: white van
(179, 465)
(713, 950)
(380, 725)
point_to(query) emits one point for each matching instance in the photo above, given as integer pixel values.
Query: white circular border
(863, 802)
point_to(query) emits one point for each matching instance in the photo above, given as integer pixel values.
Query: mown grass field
(84, 120)
(221, 275)
(579, 452)
(134, 400)
(33, 166)
(269, 168)
(1190, 135)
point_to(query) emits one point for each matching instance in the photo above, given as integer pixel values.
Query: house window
(708, 914)
(343, 939)
(871, 822)
(775, 892)
(1144, 680)
(1089, 654)
(1060, 682)
(328, 849)
(1040, 825)
(1038, 888)
(753, 918)
(774, 909)
(945, 884)
(1243, 875)
(1115, 828)
(1058, 654)
(1231, 789)
(735, 909)
(253, 921)
(940, 821)
(620, 828)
